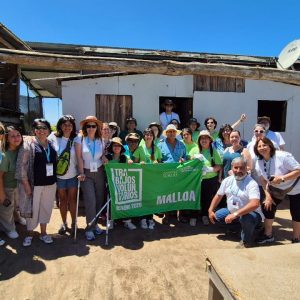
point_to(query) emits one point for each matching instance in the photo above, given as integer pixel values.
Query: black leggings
(294, 208)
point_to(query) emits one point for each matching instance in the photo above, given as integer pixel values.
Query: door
(114, 108)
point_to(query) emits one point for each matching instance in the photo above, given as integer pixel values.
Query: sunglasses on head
(41, 127)
(91, 126)
(259, 131)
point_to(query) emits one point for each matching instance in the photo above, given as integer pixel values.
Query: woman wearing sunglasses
(89, 148)
(36, 171)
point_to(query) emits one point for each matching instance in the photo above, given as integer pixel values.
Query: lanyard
(47, 153)
(268, 171)
(92, 150)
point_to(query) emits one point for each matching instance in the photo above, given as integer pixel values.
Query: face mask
(240, 178)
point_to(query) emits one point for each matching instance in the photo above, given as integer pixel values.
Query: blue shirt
(170, 154)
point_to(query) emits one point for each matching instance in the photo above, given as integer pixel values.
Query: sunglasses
(259, 131)
(2, 132)
(91, 126)
(41, 128)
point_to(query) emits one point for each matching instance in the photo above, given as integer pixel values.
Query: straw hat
(115, 140)
(132, 136)
(171, 127)
(205, 133)
(91, 119)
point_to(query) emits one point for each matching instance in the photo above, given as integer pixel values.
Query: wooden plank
(115, 108)
(167, 67)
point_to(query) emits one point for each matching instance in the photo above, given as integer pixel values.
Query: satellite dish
(289, 55)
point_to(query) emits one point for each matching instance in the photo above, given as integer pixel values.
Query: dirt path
(166, 263)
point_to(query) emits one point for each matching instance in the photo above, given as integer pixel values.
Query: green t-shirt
(191, 149)
(215, 135)
(142, 153)
(195, 136)
(8, 166)
(207, 162)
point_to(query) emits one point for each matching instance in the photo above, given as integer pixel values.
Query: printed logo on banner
(128, 188)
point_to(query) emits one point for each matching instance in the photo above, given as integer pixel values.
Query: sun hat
(205, 133)
(171, 127)
(159, 127)
(193, 120)
(90, 119)
(132, 136)
(131, 119)
(115, 140)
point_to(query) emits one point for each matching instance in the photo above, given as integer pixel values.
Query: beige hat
(91, 119)
(132, 136)
(171, 127)
(205, 133)
(115, 140)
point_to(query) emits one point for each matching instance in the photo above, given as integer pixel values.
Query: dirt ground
(165, 263)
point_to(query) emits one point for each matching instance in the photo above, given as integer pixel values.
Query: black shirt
(39, 168)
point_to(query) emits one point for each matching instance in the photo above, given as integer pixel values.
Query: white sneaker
(2, 242)
(205, 220)
(12, 234)
(193, 222)
(151, 224)
(129, 225)
(144, 224)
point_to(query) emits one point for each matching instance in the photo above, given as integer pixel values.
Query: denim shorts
(67, 183)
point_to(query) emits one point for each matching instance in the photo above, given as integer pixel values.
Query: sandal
(47, 239)
(27, 241)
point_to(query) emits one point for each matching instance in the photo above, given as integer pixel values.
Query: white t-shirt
(166, 119)
(239, 193)
(88, 148)
(59, 144)
(280, 164)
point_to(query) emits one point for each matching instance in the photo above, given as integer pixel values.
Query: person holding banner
(132, 140)
(148, 153)
(243, 204)
(212, 165)
(172, 151)
(89, 149)
(116, 154)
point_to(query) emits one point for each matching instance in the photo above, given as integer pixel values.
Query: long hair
(149, 130)
(222, 129)
(8, 129)
(211, 150)
(61, 121)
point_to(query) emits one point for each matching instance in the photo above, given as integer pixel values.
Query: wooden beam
(165, 67)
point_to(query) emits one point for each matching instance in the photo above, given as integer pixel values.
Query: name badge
(93, 167)
(49, 169)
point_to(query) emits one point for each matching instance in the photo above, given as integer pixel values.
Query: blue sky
(259, 28)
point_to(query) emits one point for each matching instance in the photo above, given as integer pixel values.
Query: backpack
(63, 160)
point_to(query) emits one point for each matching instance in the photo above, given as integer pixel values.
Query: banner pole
(107, 221)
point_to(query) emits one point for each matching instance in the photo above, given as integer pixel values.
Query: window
(276, 111)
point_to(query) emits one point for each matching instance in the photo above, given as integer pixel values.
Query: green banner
(138, 190)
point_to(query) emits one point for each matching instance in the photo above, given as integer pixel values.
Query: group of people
(34, 170)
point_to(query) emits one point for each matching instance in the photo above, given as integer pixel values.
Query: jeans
(249, 223)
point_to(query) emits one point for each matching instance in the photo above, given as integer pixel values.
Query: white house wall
(79, 100)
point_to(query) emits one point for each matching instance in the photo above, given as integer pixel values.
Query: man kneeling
(243, 205)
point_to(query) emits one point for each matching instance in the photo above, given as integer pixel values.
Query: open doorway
(183, 107)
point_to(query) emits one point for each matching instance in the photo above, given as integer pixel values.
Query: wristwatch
(282, 179)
